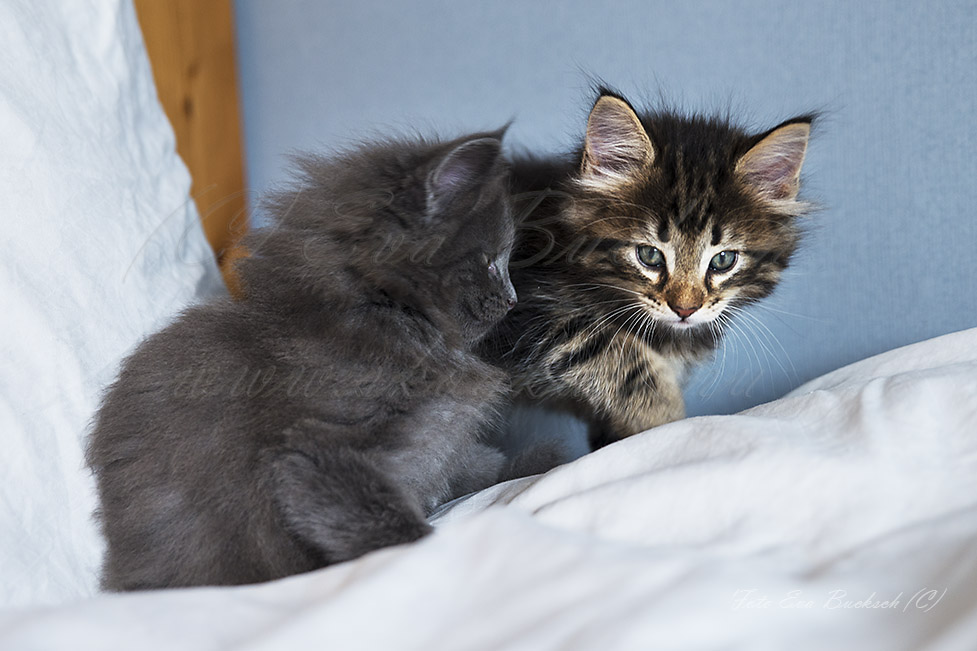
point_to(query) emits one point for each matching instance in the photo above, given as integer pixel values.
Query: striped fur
(597, 331)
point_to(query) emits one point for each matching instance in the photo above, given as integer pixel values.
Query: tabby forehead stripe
(717, 234)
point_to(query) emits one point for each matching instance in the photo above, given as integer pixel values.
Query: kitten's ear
(772, 167)
(462, 169)
(616, 147)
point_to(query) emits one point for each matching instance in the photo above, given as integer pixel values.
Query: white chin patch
(693, 321)
(682, 325)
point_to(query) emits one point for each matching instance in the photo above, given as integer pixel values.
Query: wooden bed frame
(191, 49)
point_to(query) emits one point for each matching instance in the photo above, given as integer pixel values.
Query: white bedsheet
(100, 245)
(843, 516)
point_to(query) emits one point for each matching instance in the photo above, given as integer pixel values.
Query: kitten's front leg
(620, 396)
(625, 413)
(614, 427)
(337, 498)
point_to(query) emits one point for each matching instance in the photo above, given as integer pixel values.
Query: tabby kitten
(634, 253)
(335, 405)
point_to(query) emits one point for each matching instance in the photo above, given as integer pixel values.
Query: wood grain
(191, 48)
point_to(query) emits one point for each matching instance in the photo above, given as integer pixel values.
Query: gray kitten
(338, 403)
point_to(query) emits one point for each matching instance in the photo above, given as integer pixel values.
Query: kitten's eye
(650, 256)
(723, 260)
(493, 269)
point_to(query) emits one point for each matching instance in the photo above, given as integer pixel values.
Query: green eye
(723, 260)
(650, 256)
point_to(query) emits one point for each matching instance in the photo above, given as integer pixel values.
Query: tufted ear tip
(616, 146)
(772, 167)
(463, 168)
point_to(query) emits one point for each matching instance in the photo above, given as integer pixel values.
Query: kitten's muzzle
(510, 294)
(684, 311)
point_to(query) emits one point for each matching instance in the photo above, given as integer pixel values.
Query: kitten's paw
(479, 468)
(536, 460)
(601, 435)
(598, 437)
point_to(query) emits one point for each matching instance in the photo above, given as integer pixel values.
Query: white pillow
(100, 245)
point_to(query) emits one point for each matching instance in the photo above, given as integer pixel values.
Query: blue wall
(892, 257)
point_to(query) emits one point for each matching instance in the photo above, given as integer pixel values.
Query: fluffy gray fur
(338, 403)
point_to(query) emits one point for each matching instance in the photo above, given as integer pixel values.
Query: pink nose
(685, 312)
